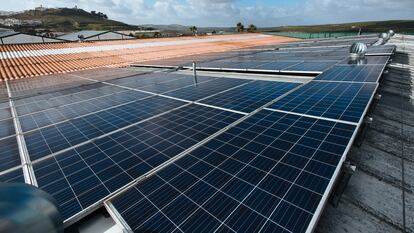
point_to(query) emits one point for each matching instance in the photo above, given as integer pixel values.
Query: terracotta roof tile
(28, 60)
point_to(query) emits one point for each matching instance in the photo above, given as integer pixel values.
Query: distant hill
(74, 19)
(406, 26)
(69, 19)
(186, 29)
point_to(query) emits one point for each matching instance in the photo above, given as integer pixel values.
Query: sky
(262, 13)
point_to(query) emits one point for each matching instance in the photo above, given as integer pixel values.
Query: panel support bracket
(347, 171)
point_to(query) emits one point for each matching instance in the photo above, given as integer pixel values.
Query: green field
(400, 26)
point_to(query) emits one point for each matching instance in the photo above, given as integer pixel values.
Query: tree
(252, 28)
(239, 27)
(193, 29)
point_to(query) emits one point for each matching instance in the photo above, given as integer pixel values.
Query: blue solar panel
(368, 60)
(175, 84)
(311, 66)
(15, 176)
(381, 49)
(54, 98)
(5, 112)
(268, 173)
(228, 64)
(279, 65)
(352, 73)
(54, 138)
(84, 175)
(9, 153)
(335, 100)
(146, 80)
(6, 128)
(250, 97)
(203, 90)
(57, 110)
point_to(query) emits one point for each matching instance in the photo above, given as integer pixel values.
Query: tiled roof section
(28, 60)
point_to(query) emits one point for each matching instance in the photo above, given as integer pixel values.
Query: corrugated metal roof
(7, 33)
(95, 35)
(12, 37)
(27, 60)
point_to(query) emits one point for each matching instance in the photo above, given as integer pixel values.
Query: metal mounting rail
(28, 172)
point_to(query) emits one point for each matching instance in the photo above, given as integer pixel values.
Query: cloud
(229, 12)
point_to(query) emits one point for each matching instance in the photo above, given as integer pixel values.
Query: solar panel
(15, 176)
(159, 82)
(5, 111)
(9, 153)
(206, 89)
(54, 138)
(53, 111)
(352, 73)
(335, 100)
(251, 96)
(279, 65)
(381, 49)
(368, 60)
(269, 174)
(6, 128)
(186, 81)
(311, 66)
(82, 176)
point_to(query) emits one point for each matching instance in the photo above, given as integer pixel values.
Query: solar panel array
(223, 153)
(267, 174)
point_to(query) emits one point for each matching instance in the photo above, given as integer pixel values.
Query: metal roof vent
(358, 50)
(384, 36)
(391, 33)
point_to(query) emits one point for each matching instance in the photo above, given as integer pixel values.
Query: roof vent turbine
(391, 33)
(358, 50)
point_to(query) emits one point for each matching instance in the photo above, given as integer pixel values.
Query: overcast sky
(229, 12)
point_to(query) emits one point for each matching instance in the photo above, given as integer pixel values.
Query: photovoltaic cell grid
(335, 100)
(206, 89)
(381, 49)
(267, 174)
(82, 176)
(352, 73)
(6, 120)
(159, 83)
(9, 153)
(251, 96)
(15, 176)
(368, 60)
(57, 137)
(47, 112)
(185, 81)
(271, 66)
